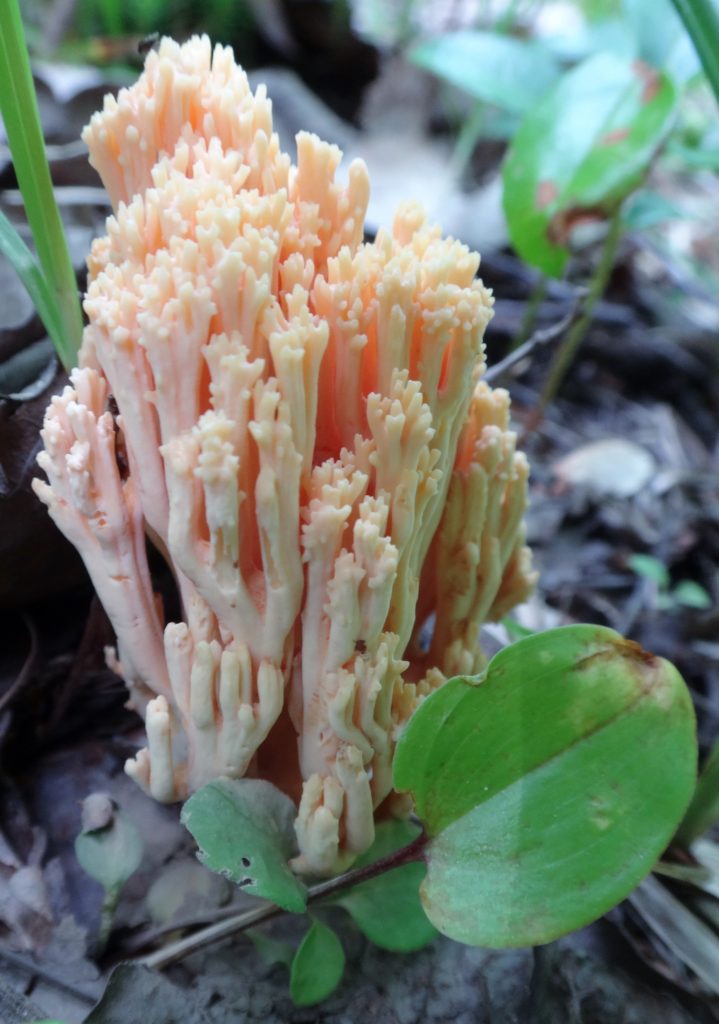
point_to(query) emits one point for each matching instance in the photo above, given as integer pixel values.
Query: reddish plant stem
(170, 954)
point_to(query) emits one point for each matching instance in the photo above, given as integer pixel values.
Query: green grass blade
(701, 20)
(26, 267)
(19, 109)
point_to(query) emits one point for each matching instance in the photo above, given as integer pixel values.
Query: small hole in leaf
(245, 881)
(246, 862)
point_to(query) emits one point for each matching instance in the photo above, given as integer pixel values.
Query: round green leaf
(510, 73)
(110, 854)
(318, 966)
(245, 831)
(549, 785)
(580, 151)
(387, 909)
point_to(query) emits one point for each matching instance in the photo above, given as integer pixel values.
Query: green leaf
(245, 831)
(318, 966)
(650, 568)
(549, 785)
(581, 151)
(21, 117)
(692, 595)
(111, 854)
(661, 38)
(387, 909)
(510, 73)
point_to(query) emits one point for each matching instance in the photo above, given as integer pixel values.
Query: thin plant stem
(536, 297)
(597, 286)
(469, 135)
(701, 20)
(107, 916)
(170, 954)
(21, 116)
(704, 809)
(495, 372)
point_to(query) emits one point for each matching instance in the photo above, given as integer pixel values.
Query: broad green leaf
(318, 966)
(387, 909)
(507, 72)
(549, 785)
(111, 854)
(244, 828)
(580, 151)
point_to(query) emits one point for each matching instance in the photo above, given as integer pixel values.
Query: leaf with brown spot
(649, 77)
(581, 151)
(547, 192)
(548, 785)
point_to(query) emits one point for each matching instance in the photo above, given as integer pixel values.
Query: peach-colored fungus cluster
(303, 435)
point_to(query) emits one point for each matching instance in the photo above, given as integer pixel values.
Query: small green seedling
(684, 594)
(109, 849)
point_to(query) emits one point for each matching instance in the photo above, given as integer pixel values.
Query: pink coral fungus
(302, 434)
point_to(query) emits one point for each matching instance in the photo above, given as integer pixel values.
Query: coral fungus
(303, 436)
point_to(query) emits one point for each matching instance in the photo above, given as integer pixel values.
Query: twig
(151, 935)
(531, 309)
(223, 929)
(47, 975)
(207, 936)
(537, 340)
